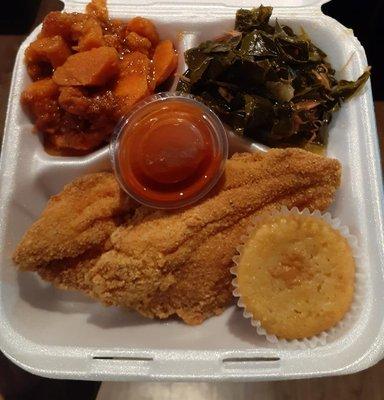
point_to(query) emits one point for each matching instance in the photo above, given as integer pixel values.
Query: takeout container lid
(64, 335)
(74, 4)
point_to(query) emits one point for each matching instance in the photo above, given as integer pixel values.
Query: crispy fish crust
(164, 263)
(73, 230)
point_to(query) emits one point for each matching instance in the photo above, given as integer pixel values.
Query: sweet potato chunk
(83, 29)
(39, 70)
(98, 8)
(89, 37)
(132, 87)
(72, 100)
(80, 141)
(164, 61)
(143, 27)
(132, 84)
(40, 89)
(135, 62)
(40, 99)
(139, 43)
(89, 71)
(89, 68)
(97, 107)
(50, 49)
(57, 23)
(44, 89)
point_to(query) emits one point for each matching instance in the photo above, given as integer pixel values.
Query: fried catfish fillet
(73, 230)
(165, 263)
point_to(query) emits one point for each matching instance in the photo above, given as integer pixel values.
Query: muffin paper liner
(349, 318)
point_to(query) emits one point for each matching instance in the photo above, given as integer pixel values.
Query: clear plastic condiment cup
(141, 171)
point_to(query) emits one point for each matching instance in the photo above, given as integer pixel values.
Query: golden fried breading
(79, 219)
(164, 263)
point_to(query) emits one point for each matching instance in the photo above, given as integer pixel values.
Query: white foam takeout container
(62, 334)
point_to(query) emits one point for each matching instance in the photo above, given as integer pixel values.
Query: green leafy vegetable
(267, 82)
(345, 89)
(249, 20)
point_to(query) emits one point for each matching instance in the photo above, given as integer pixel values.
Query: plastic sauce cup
(169, 151)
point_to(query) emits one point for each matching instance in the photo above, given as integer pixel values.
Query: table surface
(364, 385)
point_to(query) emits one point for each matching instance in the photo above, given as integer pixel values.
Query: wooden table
(364, 385)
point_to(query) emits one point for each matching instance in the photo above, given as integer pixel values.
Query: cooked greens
(266, 82)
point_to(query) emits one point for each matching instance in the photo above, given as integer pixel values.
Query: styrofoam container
(66, 335)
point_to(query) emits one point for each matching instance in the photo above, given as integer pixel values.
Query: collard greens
(266, 82)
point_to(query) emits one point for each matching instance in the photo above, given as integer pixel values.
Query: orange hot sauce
(169, 153)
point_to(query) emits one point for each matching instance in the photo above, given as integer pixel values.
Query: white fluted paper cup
(349, 318)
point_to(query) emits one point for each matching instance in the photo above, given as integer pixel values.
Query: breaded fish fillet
(164, 263)
(73, 230)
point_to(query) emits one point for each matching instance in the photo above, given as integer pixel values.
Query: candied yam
(116, 27)
(39, 70)
(144, 27)
(57, 23)
(135, 62)
(112, 40)
(81, 29)
(48, 49)
(47, 116)
(89, 35)
(98, 9)
(90, 68)
(80, 141)
(98, 106)
(40, 99)
(89, 87)
(133, 82)
(43, 89)
(139, 43)
(164, 61)
(72, 100)
(133, 87)
(114, 35)
(129, 90)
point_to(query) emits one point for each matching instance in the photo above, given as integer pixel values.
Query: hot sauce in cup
(170, 151)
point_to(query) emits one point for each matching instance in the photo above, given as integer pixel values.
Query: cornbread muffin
(295, 275)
